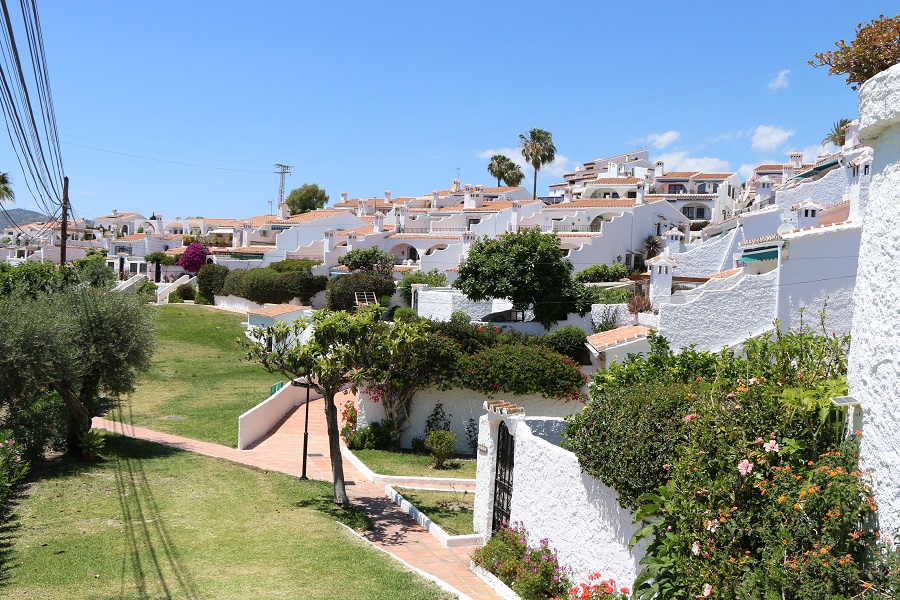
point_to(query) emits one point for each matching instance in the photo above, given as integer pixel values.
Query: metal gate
(503, 480)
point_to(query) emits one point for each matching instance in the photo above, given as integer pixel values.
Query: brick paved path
(393, 530)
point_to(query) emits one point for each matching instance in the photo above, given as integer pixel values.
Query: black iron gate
(503, 480)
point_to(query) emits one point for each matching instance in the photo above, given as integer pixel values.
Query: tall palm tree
(6, 191)
(513, 175)
(837, 135)
(538, 149)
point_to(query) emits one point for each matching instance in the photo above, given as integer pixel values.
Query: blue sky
(181, 108)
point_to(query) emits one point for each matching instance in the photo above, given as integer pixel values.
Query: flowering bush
(598, 588)
(533, 572)
(874, 50)
(193, 258)
(349, 416)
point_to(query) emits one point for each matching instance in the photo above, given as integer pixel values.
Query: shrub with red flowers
(533, 572)
(598, 588)
(193, 258)
(349, 416)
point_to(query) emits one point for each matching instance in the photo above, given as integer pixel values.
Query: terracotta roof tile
(241, 250)
(614, 181)
(724, 274)
(424, 236)
(772, 237)
(314, 215)
(678, 175)
(594, 203)
(276, 310)
(683, 196)
(364, 230)
(614, 337)
(714, 175)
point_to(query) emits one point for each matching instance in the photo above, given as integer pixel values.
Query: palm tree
(538, 149)
(513, 176)
(497, 167)
(837, 135)
(651, 246)
(6, 191)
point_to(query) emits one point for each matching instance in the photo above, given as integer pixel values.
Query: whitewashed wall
(709, 257)
(874, 370)
(833, 187)
(821, 262)
(579, 515)
(722, 317)
(438, 304)
(460, 406)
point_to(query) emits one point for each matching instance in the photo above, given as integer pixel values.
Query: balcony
(571, 228)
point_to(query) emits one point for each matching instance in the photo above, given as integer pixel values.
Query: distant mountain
(20, 216)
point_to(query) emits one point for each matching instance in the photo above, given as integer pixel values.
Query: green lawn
(452, 511)
(198, 383)
(149, 521)
(408, 464)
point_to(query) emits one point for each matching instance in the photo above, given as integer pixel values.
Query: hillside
(20, 216)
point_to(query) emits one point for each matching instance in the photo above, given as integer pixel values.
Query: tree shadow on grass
(8, 529)
(322, 500)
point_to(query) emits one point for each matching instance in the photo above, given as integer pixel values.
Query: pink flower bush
(690, 418)
(707, 590)
(771, 446)
(745, 467)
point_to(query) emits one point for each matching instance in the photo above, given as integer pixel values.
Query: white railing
(162, 294)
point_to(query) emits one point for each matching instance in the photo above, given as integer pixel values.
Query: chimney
(362, 207)
(514, 216)
(467, 198)
(434, 199)
(379, 223)
(387, 196)
(659, 171)
(327, 235)
(455, 187)
(567, 193)
(245, 240)
(468, 238)
(343, 196)
(283, 211)
(851, 135)
(639, 199)
(797, 160)
(401, 218)
(612, 169)
(351, 238)
(115, 213)
(787, 171)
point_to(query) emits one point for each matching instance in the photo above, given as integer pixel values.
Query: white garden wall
(259, 420)
(707, 258)
(874, 370)
(580, 515)
(460, 406)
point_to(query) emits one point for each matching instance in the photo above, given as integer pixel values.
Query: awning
(759, 254)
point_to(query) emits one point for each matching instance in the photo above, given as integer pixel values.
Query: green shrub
(874, 49)
(12, 469)
(602, 273)
(38, 424)
(533, 572)
(210, 280)
(433, 278)
(569, 341)
(265, 286)
(597, 295)
(146, 290)
(441, 443)
(185, 291)
(341, 290)
(460, 317)
(294, 264)
(404, 315)
(626, 435)
(175, 297)
(302, 284)
(234, 283)
(376, 436)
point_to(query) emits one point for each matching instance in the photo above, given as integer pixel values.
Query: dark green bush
(404, 314)
(376, 436)
(340, 290)
(441, 443)
(146, 289)
(210, 280)
(234, 283)
(460, 317)
(602, 273)
(569, 341)
(293, 264)
(39, 424)
(302, 284)
(185, 291)
(625, 435)
(265, 286)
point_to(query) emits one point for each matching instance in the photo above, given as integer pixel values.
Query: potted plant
(91, 442)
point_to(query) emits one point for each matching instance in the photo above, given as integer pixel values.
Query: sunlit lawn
(152, 522)
(198, 383)
(452, 511)
(409, 464)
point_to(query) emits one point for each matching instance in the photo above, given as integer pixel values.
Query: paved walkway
(393, 530)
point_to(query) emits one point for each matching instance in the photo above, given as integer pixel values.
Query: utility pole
(65, 222)
(282, 171)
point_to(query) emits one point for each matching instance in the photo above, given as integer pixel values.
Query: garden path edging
(446, 540)
(498, 586)
(408, 481)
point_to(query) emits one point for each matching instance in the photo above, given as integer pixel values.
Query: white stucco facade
(580, 515)
(874, 370)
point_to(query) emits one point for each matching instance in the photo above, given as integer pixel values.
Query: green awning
(759, 255)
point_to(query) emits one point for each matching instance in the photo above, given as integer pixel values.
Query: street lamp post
(303, 477)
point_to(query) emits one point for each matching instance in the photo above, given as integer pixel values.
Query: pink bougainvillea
(193, 258)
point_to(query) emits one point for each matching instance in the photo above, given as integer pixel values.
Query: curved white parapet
(874, 370)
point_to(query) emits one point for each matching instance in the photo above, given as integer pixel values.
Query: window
(688, 211)
(676, 188)
(700, 212)
(865, 169)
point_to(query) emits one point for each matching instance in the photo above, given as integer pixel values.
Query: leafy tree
(34, 278)
(193, 258)
(368, 260)
(432, 278)
(79, 342)
(875, 48)
(306, 198)
(651, 246)
(341, 350)
(341, 291)
(501, 167)
(210, 279)
(93, 270)
(538, 149)
(525, 268)
(6, 191)
(837, 136)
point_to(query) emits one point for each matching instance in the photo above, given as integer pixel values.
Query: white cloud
(746, 170)
(811, 153)
(727, 136)
(767, 138)
(780, 82)
(661, 140)
(681, 161)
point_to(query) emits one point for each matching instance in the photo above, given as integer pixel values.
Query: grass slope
(153, 522)
(198, 383)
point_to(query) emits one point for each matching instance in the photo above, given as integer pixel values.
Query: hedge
(340, 291)
(234, 283)
(210, 280)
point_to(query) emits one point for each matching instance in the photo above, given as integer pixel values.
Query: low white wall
(460, 406)
(707, 258)
(259, 420)
(438, 304)
(162, 294)
(722, 317)
(578, 514)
